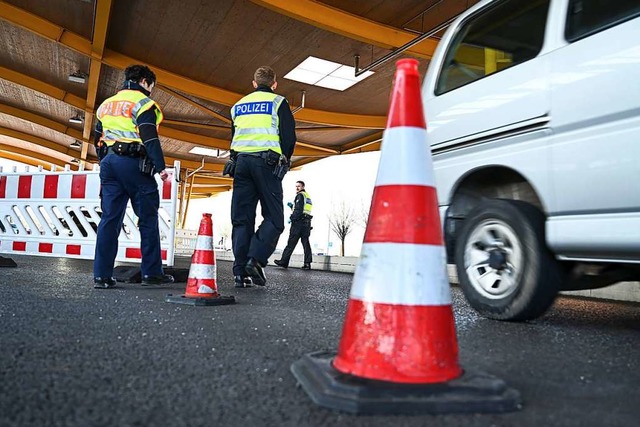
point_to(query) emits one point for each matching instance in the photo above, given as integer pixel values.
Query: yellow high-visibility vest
(119, 116)
(307, 203)
(256, 121)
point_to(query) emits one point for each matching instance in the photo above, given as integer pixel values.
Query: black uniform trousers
(254, 181)
(122, 181)
(300, 230)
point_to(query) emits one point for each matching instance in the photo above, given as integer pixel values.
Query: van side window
(507, 34)
(587, 17)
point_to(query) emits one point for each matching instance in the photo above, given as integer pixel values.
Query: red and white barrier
(57, 214)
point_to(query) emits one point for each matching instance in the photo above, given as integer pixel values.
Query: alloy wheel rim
(493, 259)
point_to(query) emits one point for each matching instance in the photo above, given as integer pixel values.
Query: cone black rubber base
(181, 299)
(127, 274)
(7, 262)
(473, 392)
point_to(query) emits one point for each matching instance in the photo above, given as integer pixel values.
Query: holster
(271, 158)
(281, 167)
(230, 167)
(101, 149)
(146, 166)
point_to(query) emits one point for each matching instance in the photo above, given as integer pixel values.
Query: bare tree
(362, 214)
(341, 221)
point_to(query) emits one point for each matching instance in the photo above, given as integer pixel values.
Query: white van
(533, 115)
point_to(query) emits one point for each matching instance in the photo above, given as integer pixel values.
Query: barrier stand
(57, 214)
(398, 353)
(7, 262)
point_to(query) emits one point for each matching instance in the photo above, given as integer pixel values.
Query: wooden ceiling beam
(210, 189)
(361, 142)
(78, 102)
(196, 125)
(194, 138)
(42, 142)
(208, 167)
(36, 118)
(56, 33)
(211, 180)
(45, 88)
(30, 158)
(100, 28)
(44, 28)
(348, 25)
(59, 127)
(191, 102)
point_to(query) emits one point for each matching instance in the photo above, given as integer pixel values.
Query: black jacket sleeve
(298, 207)
(287, 129)
(149, 135)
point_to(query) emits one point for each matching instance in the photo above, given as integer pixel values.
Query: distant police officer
(300, 228)
(127, 144)
(263, 139)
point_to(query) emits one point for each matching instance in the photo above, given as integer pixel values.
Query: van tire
(511, 273)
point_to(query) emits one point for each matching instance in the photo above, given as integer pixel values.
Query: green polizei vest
(256, 121)
(308, 204)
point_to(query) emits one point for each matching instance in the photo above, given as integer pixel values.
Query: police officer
(300, 228)
(262, 143)
(126, 138)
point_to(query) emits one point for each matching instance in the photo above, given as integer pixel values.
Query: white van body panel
(595, 148)
(567, 120)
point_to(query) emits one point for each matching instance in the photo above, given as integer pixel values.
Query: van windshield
(507, 34)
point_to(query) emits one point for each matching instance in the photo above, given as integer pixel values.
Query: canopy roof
(204, 54)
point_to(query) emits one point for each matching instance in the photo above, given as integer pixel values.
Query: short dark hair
(137, 73)
(300, 182)
(265, 76)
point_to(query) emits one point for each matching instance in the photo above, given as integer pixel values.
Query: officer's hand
(164, 175)
(290, 204)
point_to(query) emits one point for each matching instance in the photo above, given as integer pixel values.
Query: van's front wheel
(504, 267)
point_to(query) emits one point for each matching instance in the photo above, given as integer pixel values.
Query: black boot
(242, 282)
(280, 263)
(306, 266)
(161, 279)
(104, 282)
(255, 271)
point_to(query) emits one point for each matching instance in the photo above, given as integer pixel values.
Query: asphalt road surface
(74, 356)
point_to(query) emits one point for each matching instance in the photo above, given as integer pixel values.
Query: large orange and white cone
(201, 283)
(398, 352)
(399, 325)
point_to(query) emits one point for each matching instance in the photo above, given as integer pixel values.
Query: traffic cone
(398, 353)
(201, 284)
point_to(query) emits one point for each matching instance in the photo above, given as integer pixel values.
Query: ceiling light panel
(326, 74)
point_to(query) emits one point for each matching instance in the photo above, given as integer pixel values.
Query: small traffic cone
(201, 284)
(398, 353)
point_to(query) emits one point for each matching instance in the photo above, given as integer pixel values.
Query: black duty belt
(127, 149)
(261, 154)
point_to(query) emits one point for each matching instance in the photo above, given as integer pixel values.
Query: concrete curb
(624, 291)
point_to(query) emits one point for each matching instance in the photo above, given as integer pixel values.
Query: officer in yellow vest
(300, 228)
(262, 143)
(127, 144)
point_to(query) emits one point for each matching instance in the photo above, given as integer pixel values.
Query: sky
(347, 179)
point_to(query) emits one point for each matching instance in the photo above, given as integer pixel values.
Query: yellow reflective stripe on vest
(308, 204)
(256, 122)
(119, 113)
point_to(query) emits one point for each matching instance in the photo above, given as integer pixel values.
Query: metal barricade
(57, 214)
